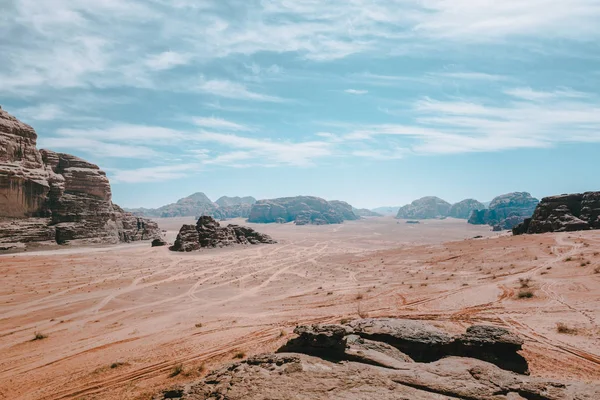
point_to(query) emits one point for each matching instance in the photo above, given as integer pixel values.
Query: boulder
(208, 233)
(377, 370)
(57, 197)
(425, 208)
(463, 209)
(302, 210)
(159, 242)
(564, 213)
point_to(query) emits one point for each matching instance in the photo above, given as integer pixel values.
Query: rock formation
(344, 209)
(425, 208)
(506, 211)
(365, 212)
(54, 197)
(209, 233)
(385, 359)
(564, 213)
(199, 204)
(463, 209)
(302, 210)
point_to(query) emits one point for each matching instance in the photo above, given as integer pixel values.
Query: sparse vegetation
(568, 259)
(38, 336)
(177, 369)
(344, 321)
(597, 270)
(525, 294)
(359, 296)
(116, 365)
(239, 355)
(524, 282)
(198, 325)
(561, 327)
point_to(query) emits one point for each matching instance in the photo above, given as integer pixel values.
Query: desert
(119, 321)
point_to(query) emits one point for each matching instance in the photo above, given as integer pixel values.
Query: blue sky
(376, 102)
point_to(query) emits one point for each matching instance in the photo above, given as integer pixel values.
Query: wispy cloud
(233, 90)
(153, 174)
(41, 112)
(356, 91)
(167, 60)
(218, 123)
(477, 76)
(97, 148)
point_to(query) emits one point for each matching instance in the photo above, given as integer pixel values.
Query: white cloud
(527, 93)
(41, 112)
(98, 148)
(167, 60)
(477, 76)
(218, 123)
(153, 174)
(356, 91)
(233, 90)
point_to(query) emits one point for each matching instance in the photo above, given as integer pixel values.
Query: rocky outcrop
(344, 209)
(364, 212)
(506, 211)
(308, 368)
(387, 210)
(302, 210)
(209, 233)
(56, 197)
(564, 213)
(463, 209)
(159, 242)
(198, 204)
(425, 208)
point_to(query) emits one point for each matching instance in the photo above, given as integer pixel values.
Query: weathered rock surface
(365, 212)
(463, 209)
(302, 210)
(234, 211)
(160, 242)
(209, 233)
(344, 209)
(55, 197)
(425, 208)
(564, 213)
(226, 201)
(378, 370)
(506, 211)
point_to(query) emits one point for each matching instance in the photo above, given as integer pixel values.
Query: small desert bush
(116, 365)
(39, 336)
(198, 325)
(569, 259)
(597, 270)
(359, 296)
(344, 321)
(524, 282)
(239, 355)
(561, 327)
(178, 369)
(525, 294)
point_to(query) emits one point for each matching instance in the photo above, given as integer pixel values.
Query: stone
(301, 210)
(463, 209)
(507, 210)
(425, 208)
(208, 233)
(159, 242)
(56, 197)
(564, 213)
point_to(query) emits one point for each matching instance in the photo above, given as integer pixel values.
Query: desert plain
(123, 322)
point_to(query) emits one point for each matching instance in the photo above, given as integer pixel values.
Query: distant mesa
(425, 208)
(364, 212)
(563, 213)
(302, 210)
(199, 204)
(505, 211)
(393, 210)
(208, 233)
(463, 209)
(57, 198)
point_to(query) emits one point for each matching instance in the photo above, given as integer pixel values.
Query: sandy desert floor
(119, 319)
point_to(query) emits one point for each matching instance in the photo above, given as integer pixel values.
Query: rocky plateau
(302, 210)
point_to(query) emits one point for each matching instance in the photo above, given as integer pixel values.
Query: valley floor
(119, 319)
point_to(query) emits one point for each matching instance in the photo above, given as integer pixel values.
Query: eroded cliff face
(55, 197)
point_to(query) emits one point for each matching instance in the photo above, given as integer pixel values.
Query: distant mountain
(506, 211)
(302, 210)
(199, 204)
(235, 201)
(393, 210)
(463, 209)
(364, 212)
(425, 208)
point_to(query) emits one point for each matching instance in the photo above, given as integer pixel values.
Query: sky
(375, 102)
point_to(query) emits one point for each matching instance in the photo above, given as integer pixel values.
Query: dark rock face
(364, 212)
(506, 211)
(302, 210)
(378, 370)
(463, 209)
(208, 233)
(159, 242)
(425, 208)
(564, 213)
(56, 197)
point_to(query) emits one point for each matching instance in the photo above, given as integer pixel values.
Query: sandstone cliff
(302, 210)
(463, 209)
(506, 211)
(209, 233)
(564, 213)
(54, 197)
(425, 208)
